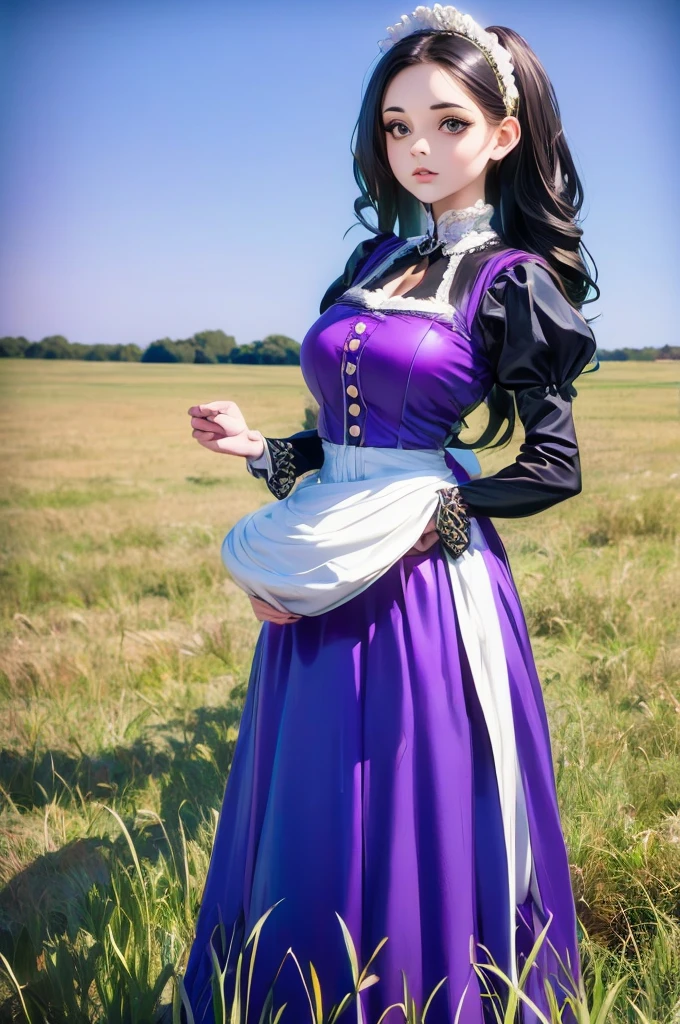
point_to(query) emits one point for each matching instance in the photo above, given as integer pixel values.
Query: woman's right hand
(221, 427)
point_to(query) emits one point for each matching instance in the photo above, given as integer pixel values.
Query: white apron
(344, 526)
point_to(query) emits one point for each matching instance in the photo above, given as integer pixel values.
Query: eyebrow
(435, 106)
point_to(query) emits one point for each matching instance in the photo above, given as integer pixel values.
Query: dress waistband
(353, 462)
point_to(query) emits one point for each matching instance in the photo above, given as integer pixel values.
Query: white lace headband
(449, 19)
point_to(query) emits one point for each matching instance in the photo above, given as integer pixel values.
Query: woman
(393, 763)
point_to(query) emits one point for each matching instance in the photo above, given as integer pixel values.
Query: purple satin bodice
(398, 379)
(409, 376)
(391, 373)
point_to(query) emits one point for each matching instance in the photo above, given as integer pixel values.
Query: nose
(421, 146)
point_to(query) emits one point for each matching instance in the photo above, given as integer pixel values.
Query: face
(432, 122)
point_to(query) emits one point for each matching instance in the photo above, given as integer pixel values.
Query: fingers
(215, 441)
(266, 612)
(201, 422)
(221, 424)
(211, 445)
(210, 408)
(426, 541)
(277, 617)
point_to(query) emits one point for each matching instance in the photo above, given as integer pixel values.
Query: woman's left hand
(427, 540)
(266, 612)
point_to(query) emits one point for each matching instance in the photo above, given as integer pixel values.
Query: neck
(462, 200)
(456, 223)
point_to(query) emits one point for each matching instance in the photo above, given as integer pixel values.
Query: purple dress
(363, 783)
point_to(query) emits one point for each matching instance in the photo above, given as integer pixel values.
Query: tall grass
(119, 955)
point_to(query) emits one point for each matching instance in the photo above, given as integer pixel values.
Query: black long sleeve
(538, 344)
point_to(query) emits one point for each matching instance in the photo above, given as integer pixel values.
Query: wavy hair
(535, 189)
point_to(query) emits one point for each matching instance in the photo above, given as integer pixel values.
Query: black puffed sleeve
(538, 343)
(352, 269)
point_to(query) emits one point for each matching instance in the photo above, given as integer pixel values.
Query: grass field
(126, 651)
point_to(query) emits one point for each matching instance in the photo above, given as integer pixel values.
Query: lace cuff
(452, 521)
(276, 465)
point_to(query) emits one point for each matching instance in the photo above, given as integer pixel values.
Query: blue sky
(170, 166)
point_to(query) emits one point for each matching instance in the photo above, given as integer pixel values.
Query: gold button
(352, 391)
(355, 430)
(354, 409)
(354, 344)
(350, 368)
(360, 328)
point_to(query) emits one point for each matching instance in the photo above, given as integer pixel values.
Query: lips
(423, 170)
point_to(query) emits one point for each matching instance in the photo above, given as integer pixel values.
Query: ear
(508, 135)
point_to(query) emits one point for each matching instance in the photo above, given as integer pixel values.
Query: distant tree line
(645, 355)
(205, 347)
(218, 347)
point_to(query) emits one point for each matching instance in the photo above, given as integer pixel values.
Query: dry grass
(125, 649)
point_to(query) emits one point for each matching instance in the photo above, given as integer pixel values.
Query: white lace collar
(454, 226)
(459, 231)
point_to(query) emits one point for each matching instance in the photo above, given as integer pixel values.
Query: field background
(126, 652)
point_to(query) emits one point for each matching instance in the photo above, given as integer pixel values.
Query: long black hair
(535, 189)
